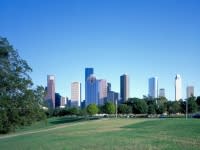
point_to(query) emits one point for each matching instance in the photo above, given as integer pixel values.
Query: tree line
(134, 106)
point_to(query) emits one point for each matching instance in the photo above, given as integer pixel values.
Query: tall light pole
(116, 108)
(186, 112)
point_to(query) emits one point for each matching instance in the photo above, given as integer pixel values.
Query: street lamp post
(186, 112)
(116, 108)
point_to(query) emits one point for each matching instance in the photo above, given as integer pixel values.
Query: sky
(143, 38)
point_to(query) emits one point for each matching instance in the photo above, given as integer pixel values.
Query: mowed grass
(112, 134)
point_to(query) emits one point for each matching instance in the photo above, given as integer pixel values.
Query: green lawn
(110, 134)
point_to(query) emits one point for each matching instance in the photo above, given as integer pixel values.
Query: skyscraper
(178, 87)
(108, 87)
(162, 92)
(75, 94)
(57, 100)
(92, 89)
(153, 87)
(102, 91)
(112, 97)
(190, 91)
(51, 91)
(88, 72)
(124, 87)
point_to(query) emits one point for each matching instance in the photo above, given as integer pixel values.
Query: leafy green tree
(161, 105)
(198, 102)
(19, 103)
(109, 108)
(173, 107)
(92, 109)
(124, 109)
(151, 109)
(73, 111)
(139, 106)
(192, 105)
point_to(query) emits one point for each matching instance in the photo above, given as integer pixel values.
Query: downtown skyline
(97, 89)
(140, 38)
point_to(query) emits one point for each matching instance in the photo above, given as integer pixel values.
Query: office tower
(108, 87)
(51, 91)
(178, 87)
(57, 100)
(112, 97)
(102, 91)
(75, 94)
(88, 72)
(162, 92)
(124, 87)
(62, 101)
(190, 91)
(92, 91)
(153, 87)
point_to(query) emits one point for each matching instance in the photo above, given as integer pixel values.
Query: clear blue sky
(142, 38)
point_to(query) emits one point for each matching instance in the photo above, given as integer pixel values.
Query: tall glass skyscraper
(124, 87)
(51, 91)
(178, 87)
(88, 72)
(92, 91)
(153, 87)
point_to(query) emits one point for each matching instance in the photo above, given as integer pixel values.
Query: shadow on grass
(72, 119)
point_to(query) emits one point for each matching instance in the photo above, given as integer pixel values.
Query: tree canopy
(19, 103)
(92, 109)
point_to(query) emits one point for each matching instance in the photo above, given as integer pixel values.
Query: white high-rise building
(102, 91)
(75, 94)
(178, 88)
(190, 91)
(153, 87)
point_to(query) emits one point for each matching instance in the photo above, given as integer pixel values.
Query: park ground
(106, 134)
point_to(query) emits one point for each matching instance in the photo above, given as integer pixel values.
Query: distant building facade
(88, 73)
(153, 87)
(178, 87)
(92, 92)
(162, 92)
(124, 87)
(76, 94)
(190, 91)
(113, 97)
(102, 90)
(57, 100)
(50, 98)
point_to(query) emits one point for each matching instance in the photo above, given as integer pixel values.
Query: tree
(198, 102)
(19, 103)
(109, 108)
(139, 106)
(192, 105)
(152, 109)
(92, 109)
(124, 109)
(161, 105)
(173, 107)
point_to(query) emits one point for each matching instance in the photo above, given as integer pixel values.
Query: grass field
(108, 134)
